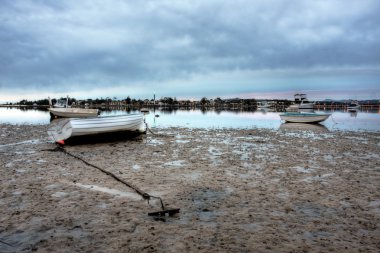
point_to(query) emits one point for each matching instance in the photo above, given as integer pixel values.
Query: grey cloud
(82, 44)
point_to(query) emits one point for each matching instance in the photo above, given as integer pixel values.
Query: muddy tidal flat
(250, 190)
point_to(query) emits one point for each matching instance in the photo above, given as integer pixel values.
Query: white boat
(298, 117)
(73, 112)
(263, 105)
(353, 106)
(64, 129)
(300, 103)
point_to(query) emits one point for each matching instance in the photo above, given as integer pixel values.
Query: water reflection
(24, 116)
(266, 110)
(339, 120)
(304, 127)
(353, 113)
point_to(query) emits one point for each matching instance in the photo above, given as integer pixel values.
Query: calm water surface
(339, 120)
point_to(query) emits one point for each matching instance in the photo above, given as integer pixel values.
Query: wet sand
(239, 191)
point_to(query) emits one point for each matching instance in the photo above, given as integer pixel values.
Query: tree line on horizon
(128, 100)
(164, 100)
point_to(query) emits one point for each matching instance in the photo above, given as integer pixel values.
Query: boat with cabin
(264, 105)
(353, 106)
(300, 103)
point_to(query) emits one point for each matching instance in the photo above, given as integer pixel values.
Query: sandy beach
(252, 190)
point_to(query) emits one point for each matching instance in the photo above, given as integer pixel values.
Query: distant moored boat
(300, 103)
(353, 106)
(73, 112)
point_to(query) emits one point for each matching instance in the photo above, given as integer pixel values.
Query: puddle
(314, 235)
(214, 151)
(52, 186)
(329, 158)
(251, 227)
(28, 152)
(303, 169)
(115, 192)
(102, 205)
(9, 165)
(136, 167)
(156, 142)
(310, 210)
(35, 141)
(203, 199)
(210, 216)
(205, 204)
(317, 178)
(244, 155)
(38, 231)
(179, 163)
(193, 175)
(283, 195)
(375, 205)
(361, 139)
(182, 141)
(60, 194)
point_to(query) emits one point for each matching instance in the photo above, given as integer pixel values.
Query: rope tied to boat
(157, 134)
(143, 194)
(151, 131)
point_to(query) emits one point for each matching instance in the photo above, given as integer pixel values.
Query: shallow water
(339, 120)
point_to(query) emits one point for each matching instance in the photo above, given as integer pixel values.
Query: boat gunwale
(296, 114)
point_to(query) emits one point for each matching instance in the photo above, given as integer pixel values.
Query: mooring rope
(157, 134)
(143, 194)
(150, 130)
(10, 245)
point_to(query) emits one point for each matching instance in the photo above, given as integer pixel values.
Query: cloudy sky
(189, 49)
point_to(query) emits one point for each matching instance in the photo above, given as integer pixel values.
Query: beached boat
(299, 117)
(73, 112)
(64, 129)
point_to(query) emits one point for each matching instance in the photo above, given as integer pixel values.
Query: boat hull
(303, 117)
(73, 112)
(66, 128)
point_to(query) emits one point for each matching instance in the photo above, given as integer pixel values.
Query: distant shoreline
(120, 105)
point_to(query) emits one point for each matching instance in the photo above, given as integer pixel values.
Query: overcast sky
(189, 49)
